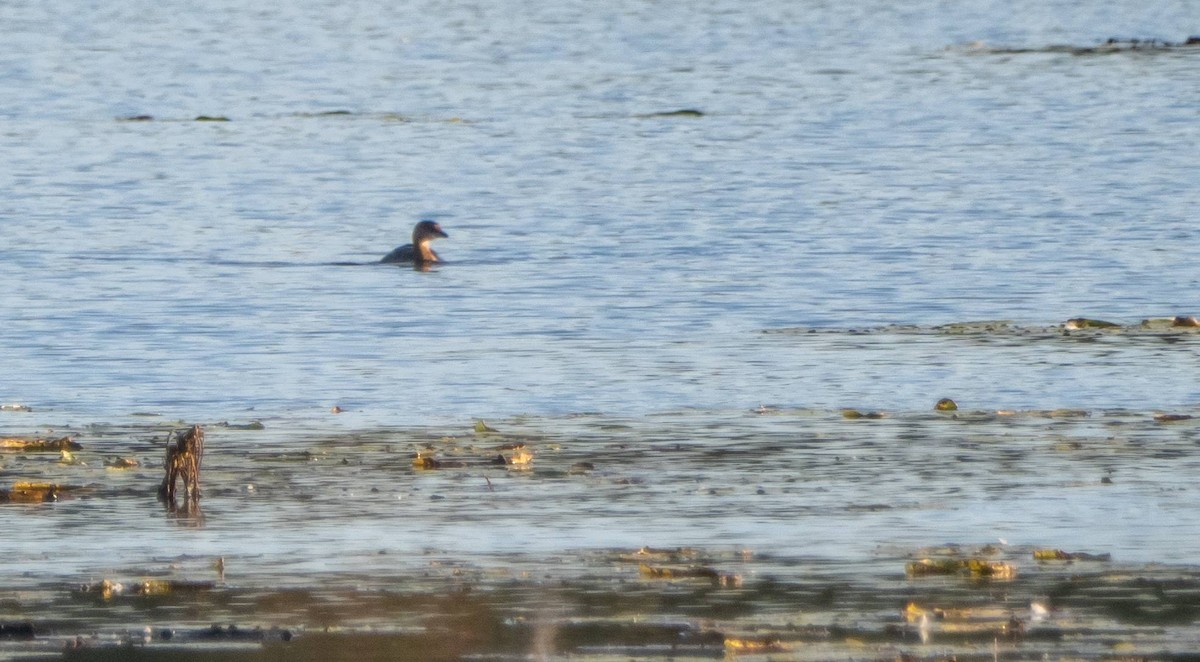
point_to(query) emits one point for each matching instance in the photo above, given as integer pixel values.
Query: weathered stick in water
(185, 450)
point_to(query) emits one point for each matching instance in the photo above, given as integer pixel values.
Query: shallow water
(685, 299)
(790, 528)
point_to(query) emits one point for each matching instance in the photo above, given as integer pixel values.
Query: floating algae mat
(782, 534)
(1077, 327)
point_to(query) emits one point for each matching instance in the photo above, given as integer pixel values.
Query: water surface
(629, 282)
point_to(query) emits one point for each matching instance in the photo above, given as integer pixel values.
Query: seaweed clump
(185, 451)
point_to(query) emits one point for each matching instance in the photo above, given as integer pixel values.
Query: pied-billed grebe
(418, 251)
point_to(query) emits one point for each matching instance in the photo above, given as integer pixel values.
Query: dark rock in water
(17, 630)
(232, 632)
(136, 118)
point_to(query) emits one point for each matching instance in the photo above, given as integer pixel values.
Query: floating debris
(31, 492)
(962, 621)
(682, 112)
(520, 458)
(24, 445)
(1085, 323)
(1110, 46)
(755, 646)
(853, 414)
(105, 588)
(974, 567)
(171, 586)
(108, 589)
(252, 425)
(694, 572)
(1060, 555)
(324, 113)
(424, 461)
(1008, 329)
(1172, 418)
(122, 463)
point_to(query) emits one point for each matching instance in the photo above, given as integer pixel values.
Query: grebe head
(427, 231)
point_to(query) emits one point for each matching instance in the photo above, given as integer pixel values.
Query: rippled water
(852, 167)
(848, 169)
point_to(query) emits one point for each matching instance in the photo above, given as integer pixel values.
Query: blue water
(853, 167)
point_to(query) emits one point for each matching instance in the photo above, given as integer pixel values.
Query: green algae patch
(1060, 555)
(972, 567)
(426, 461)
(1085, 323)
(481, 427)
(854, 414)
(945, 404)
